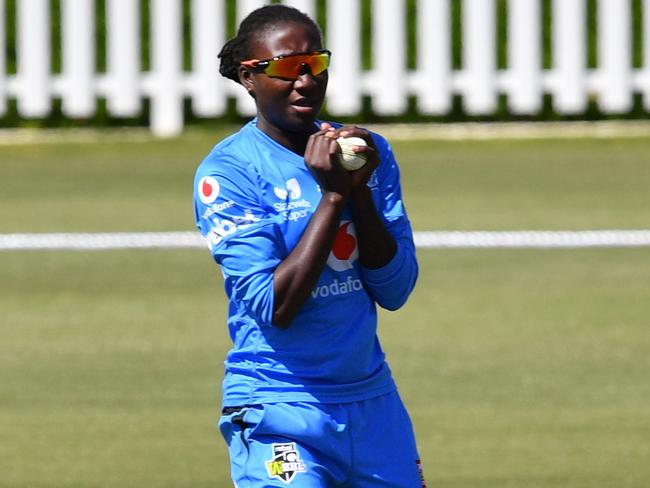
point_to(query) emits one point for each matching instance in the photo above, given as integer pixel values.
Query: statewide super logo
(344, 250)
(285, 463)
(292, 206)
(292, 190)
(208, 189)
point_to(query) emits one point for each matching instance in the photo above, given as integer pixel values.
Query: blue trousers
(369, 443)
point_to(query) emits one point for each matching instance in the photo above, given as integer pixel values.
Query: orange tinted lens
(291, 66)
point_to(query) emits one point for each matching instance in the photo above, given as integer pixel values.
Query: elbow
(393, 303)
(395, 297)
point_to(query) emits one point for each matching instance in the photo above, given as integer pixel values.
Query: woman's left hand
(359, 177)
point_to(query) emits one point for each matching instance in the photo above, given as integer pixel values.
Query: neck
(294, 141)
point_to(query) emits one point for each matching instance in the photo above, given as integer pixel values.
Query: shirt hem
(257, 398)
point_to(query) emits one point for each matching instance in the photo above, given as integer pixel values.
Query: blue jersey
(253, 199)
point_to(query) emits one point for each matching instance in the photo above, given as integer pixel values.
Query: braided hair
(237, 49)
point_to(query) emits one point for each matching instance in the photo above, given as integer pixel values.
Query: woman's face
(286, 105)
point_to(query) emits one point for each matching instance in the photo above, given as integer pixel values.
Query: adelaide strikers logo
(285, 463)
(345, 250)
(208, 189)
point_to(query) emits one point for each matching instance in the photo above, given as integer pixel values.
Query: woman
(307, 250)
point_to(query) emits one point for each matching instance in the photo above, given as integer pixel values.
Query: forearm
(389, 266)
(376, 245)
(298, 273)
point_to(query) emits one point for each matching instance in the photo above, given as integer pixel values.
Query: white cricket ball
(349, 159)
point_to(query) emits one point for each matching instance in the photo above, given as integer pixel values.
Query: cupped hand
(322, 159)
(360, 177)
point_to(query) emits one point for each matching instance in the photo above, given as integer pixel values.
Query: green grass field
(521, 368)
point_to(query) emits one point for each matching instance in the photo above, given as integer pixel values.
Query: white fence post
(78, 32)
(479, 56)
(33, 57)
(123, 57)
(645, 73)
(388, 57)
(344, 40)
(524, 56)
(208, 35)
(305, 6)
(614, 54)
(3, 61)
(433, 77)
(569, 55)
(166, 67)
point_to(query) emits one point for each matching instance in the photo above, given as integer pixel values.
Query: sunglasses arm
(251, 63)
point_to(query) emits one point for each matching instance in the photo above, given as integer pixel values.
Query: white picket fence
(434, 82)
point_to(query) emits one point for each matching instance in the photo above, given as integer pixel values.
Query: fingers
(320, 148)
(370, 150)
(360, 177)
(347, 131)
(321, 158)
(353, 131)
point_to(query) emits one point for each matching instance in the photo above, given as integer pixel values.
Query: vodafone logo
(345, 250)
(208, 189)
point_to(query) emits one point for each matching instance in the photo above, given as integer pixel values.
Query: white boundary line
(426, 240)
(415, 131)
(534, 239)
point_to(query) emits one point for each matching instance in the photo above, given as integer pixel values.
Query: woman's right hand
(321, 158)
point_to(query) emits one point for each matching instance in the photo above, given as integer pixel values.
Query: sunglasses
(291, 65)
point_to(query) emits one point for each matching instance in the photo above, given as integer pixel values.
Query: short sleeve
(243, 237)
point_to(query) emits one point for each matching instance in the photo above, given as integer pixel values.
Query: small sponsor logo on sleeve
(208, 189)
(285, 463)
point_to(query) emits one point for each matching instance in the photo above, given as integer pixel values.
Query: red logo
(208, 189)
(344, 250)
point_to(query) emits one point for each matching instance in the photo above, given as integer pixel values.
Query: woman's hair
(237, 49)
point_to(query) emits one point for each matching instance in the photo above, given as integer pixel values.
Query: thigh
(277, 444)
(385, 449)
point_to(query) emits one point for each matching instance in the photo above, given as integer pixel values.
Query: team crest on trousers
(285, 463)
